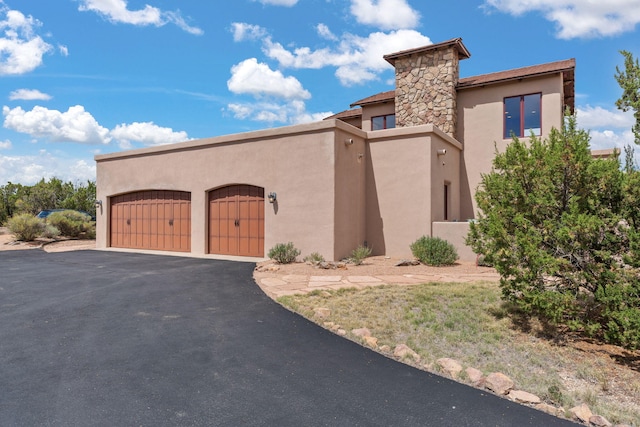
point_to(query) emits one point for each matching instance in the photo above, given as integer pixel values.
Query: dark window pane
(391, 121)
(377, 123)
(532, 114)
(512, 116)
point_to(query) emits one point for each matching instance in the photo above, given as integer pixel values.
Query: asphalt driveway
(117, 339)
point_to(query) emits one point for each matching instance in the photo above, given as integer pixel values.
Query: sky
(85, 77)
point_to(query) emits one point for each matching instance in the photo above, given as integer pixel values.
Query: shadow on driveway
(118, 339)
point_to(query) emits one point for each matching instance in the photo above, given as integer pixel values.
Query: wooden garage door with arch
(236, 221)
(157, 220)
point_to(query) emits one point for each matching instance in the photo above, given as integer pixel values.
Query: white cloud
(607, 128)
(28, 95)
(325, 32)
(243, 31)
(291, 112)
(146, 133)
(287, 3)
(385, 14)
(116, 11)
(28, 170)
(74, 125)
(578, 18)
(358, 59)
(21, 51)
(597, 117)
(257, 79)
(64, 51)
(5, 145)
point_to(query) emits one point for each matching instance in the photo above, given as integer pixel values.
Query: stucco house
(398, 165)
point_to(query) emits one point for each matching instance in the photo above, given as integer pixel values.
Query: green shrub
(71, 223)
(50, 232)
(434, 251)
(314, 258)
(283, 253)
(359, 254)
(26, 227)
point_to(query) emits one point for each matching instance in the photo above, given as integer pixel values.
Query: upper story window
(383, 122)
(522, 115)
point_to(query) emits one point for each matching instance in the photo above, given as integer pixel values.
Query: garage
(157, 220)
(236, 221)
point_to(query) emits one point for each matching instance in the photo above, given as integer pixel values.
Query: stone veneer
(426, 89)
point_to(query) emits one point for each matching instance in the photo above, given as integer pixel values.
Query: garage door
(236, 221)
(158, 220)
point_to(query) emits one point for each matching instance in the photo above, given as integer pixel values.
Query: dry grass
(468, 322)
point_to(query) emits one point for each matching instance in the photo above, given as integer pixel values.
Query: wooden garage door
(159, 220)
(236, 221)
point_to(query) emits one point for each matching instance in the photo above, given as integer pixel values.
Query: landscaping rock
(550, 409)
(407, 263)
(450, 366)
(371, 341)
(599, 421)
(499, 383)
(385, 349)
(322, 312)
(524, 397)
(341, 332)
(476, 377)
(361, 332)
(403, 351)
(582, 413)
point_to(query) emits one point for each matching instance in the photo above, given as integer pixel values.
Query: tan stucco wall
(481, 121)
(400, 185)
(455, 233)
(299, 163)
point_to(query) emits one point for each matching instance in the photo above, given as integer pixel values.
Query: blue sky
(85, 77)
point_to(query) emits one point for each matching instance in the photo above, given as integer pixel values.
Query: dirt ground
(9, 243)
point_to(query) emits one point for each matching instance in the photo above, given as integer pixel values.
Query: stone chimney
(426, 81)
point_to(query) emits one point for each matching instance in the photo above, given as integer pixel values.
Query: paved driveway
(114, 339)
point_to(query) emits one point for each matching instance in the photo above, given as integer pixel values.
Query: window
(522, 115)
(383, 122)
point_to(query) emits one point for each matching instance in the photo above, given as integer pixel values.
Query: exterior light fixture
(98, 203)
(348, 141)
(272, 197)
(442, 151)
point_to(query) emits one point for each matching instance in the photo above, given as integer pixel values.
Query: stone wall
(426, 89)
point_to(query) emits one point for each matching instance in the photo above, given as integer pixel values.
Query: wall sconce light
(272, 197)
(348, 141)
(98, 203)
(442, 151)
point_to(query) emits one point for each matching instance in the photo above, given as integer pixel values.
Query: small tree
(555, 223)
(629, 81)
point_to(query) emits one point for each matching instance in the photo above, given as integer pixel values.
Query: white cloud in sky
(64, 51)
(578, 18)
(258, 79)
(324, 32)
(28, 95)
(146, 133)
(607, 128)
(73, 125)
(385, 14)
(243, 31)
(287, 3)
(28, 170)
(596, 117)
(21, 50)
(5, 145)
(117, 11)
(291, 112)
(357, 59)
(79, 126)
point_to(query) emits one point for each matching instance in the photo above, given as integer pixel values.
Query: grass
(469, 323)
